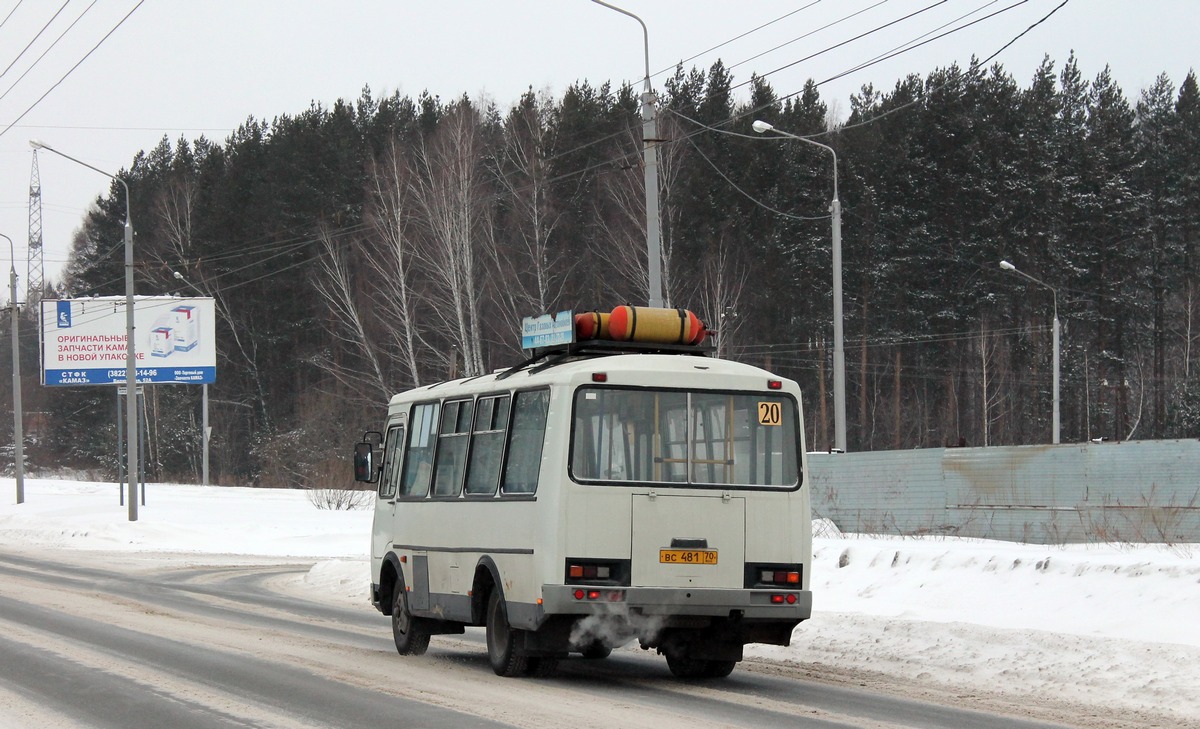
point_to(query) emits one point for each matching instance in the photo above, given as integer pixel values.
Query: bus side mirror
(364, 463)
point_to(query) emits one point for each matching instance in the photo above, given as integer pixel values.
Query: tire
(718, 669)
(541, 667)
(596, 651)
(411, 634)
(503, 652)
(683, 667)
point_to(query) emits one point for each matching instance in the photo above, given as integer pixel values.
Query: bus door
(383, 527)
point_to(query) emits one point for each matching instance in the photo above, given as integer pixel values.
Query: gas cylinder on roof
(660, 326)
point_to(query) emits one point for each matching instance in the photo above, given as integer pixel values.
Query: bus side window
(487, 445)
(391, 462)
(451, 461)
(422, 437)
(528, 434)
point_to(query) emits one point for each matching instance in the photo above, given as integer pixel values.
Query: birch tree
(536, 267)
(450, 195)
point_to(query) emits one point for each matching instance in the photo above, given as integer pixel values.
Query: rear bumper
(750, 605)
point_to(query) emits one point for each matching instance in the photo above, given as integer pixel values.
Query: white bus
(598, 493)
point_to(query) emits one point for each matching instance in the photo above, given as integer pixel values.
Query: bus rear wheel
(596, 651)
(411, 634)
(503, 652)
(684, 667)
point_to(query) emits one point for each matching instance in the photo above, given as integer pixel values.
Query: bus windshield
(684, 437)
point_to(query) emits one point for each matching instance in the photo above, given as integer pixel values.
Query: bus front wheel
(411, 634)
(504, 653)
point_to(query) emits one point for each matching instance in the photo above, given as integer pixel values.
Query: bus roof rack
(557, 354)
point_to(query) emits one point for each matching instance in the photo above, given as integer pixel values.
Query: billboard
(83, 340)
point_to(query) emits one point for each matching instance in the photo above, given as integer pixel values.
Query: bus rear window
(679, 437)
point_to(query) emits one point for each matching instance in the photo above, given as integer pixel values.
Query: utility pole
(650, 161)
(18, 414)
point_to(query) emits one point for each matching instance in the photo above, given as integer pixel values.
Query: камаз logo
(64, 315)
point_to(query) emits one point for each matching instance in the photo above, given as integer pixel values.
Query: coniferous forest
(369, 246)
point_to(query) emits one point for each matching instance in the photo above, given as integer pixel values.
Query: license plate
(687, 556)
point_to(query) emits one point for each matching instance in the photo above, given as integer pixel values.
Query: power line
(72, 69)
(10, 13)
(810, 33)
(48, 49)
(35, 37)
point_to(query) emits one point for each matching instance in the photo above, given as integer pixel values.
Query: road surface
(153, 640)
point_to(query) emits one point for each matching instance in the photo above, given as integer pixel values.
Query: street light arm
(645, 34)
(42, 145)
(1053, 291)
(179, 276)
(762, 127)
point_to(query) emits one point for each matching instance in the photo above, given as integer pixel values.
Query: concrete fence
(1134, 491)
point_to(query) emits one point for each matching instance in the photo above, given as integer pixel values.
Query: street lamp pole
(131, 418)
(839, 349)
(1055, 329)
(18, 415)
(650, 161)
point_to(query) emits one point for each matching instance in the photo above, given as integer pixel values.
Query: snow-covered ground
(1113, 627)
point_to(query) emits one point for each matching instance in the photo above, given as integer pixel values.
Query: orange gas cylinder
(591, 325)
(661, 326)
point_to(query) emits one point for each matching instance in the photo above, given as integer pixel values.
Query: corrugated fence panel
(882, 491)
(1136, 491)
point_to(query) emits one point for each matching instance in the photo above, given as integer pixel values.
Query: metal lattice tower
(34, 281)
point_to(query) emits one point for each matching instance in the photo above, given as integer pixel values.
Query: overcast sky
(186, 68)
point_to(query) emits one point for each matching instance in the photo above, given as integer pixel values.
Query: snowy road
(129, 640)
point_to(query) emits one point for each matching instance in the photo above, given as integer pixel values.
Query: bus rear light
(599, 595)
(791, 599)
(774, 384)
(777, 599)
(599, 377)
(589, 572)
(780, 577)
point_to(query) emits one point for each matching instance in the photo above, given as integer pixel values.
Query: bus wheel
(684, 667)
(503, 652)
(718, 669)
(411, 634)
(543, 667)
(596, 650)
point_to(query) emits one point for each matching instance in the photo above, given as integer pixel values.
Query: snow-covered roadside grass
(1111, 628)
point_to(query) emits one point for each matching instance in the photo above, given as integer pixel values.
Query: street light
(1010, 267)
(839, 351)
(203, 397)
(650, 159)
(131, 422)
(18, 417)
